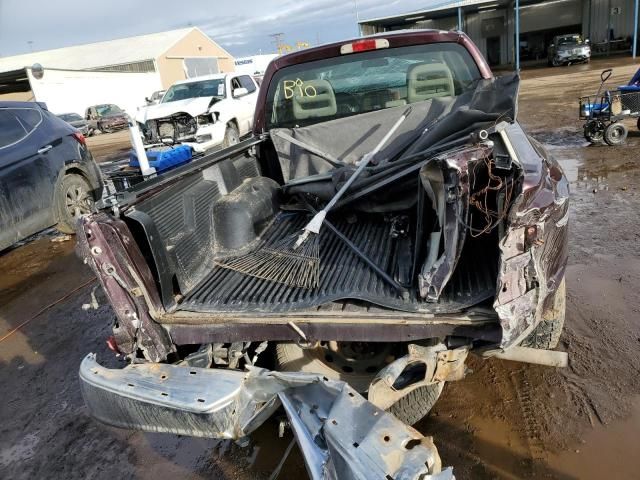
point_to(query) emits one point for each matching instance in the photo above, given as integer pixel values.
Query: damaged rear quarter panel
(534, 247)
(107, 246)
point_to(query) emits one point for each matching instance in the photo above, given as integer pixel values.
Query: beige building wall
(194, 44)
(17, 97)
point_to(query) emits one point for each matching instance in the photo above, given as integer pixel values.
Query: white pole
(138, 146)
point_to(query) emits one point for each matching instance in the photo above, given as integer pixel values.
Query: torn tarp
(432, 122)
(341, 435)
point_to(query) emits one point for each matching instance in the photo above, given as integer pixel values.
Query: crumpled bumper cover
(341, 435)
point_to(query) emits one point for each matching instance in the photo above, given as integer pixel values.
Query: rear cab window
(351, 84)
(17, 123)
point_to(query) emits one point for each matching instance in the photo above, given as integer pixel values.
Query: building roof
(99, 54)
(442, 6)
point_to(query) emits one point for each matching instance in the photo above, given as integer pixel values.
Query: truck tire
(615, 134)
(547, 334)
(409, 409)
(73, 198)
(231, 136)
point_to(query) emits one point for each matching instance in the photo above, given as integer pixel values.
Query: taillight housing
(80, 138)
(364, 45)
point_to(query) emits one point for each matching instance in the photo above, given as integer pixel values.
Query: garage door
(550, 15)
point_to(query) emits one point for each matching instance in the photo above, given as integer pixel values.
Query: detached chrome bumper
(162, 398)
(341, 435)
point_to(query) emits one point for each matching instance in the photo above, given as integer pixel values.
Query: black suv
(47, 174)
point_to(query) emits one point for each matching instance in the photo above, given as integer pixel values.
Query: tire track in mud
(530, 414)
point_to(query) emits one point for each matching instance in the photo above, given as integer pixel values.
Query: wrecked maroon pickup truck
(442, 230)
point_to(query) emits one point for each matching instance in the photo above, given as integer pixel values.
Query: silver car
(568, 49)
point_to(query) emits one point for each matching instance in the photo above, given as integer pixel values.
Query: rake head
(289, 261)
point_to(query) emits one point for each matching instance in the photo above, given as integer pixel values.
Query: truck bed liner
(342, 276)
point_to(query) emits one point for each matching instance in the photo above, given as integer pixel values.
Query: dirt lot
(504, 421)
(110, 146)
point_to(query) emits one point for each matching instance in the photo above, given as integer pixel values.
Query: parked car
(452, 239)
(47, 175)
(76, 121)
(202, 112)
(155, 97)
(568, 49)
(106, 118)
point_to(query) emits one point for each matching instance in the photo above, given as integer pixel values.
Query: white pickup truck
(201, 112)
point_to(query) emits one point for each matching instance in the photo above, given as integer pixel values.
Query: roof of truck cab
(411, 36)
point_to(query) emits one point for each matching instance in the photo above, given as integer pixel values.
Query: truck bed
(175, 231)
(343, 276)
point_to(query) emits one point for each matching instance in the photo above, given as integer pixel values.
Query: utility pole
(517, 15)
(355, 4)
(277, 40)
(635, 28)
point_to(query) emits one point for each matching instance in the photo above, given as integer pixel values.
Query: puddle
(571, 168)
(606, 452)
(560, 139)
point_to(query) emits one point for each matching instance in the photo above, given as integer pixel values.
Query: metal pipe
(635, 28)
(609, 28)
(550, 358)
(362, 256)
(516, 14)
(460, 19)
(138, 146)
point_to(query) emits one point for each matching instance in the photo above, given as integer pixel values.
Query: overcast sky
(242, 26)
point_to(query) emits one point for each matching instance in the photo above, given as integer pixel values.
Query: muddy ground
(108, 147)
(504, 421)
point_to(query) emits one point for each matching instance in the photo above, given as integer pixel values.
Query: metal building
(174, 55)
(496, 26)
(122, 71)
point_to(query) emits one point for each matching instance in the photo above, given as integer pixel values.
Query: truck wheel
(615, 134)
(73, 198)
(231, 136)
(593, 131)
(547, 334)
(357, 364)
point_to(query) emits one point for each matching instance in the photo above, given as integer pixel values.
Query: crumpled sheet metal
(439, 177)
(341, 435)
(532, 265)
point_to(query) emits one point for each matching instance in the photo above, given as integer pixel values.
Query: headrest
(429, 80)
(314, 99)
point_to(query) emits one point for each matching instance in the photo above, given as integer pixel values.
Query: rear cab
(464, 213)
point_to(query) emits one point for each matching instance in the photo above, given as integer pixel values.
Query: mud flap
(341, 435)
